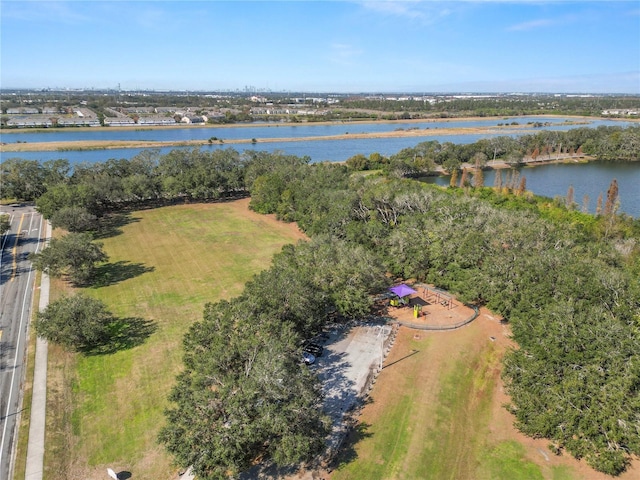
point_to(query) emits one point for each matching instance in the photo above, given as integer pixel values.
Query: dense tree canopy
(77, 322)
(74, 254)
(570, 293)
(74, 219)
(245, 392)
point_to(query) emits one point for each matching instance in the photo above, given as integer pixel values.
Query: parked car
(313, 348)
(308, 358)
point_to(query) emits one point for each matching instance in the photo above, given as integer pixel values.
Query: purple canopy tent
(402, 290)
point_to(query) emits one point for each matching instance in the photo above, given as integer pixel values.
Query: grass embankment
(164, 265)
(432, 415)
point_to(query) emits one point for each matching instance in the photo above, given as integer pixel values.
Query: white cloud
(420, 10)
(394, 7)
(343, 53)
(532, 25)
(588, 16)
(51, 12)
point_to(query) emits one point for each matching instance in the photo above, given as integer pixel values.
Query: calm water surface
(590, 179)
(318, 150)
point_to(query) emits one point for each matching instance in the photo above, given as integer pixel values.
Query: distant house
(190, 119)
(166, 109)
(85, 113)
(140, 110)
(156, 121)
(119, 122)
(22, 111)
(78, 122)
(620, 112)
(29, 122)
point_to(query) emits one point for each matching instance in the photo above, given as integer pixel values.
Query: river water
(591, 179)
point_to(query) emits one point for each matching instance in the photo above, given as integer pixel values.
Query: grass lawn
(164, 265)
(432, 415)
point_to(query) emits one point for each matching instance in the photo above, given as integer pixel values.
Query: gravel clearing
(352, 358)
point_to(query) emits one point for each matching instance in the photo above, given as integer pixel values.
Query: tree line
(196, 175)
(495, 106)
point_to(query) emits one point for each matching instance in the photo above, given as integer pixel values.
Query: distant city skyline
(325, 46)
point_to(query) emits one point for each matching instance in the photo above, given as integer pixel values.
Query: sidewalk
(35, 446)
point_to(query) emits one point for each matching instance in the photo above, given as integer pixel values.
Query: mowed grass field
(436, 412)
(164, 265)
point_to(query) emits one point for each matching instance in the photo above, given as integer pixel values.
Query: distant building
(122, 121)
(156, 121)
(141, 110)
(29, 122)
(190, 119)
(22, 111)
(167, 109)
(78, 122)
(620, 112)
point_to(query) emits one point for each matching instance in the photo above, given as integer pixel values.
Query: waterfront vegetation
(565, 281)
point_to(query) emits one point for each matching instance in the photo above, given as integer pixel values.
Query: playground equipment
(435, 296)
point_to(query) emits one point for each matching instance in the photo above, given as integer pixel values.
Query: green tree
(244, 396)
(74, 219)
(74, 255)
(76, 322)
(358, 162)
(22, 179)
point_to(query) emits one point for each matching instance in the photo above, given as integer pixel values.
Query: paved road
(16, 293)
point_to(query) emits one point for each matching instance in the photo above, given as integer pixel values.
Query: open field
(165, 264)
(436, 412)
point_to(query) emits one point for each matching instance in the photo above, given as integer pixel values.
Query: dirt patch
(428, 309)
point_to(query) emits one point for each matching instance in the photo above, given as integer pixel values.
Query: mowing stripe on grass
(165, 265)
(430, 415)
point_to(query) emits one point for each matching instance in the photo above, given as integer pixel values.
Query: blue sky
(323, 46)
